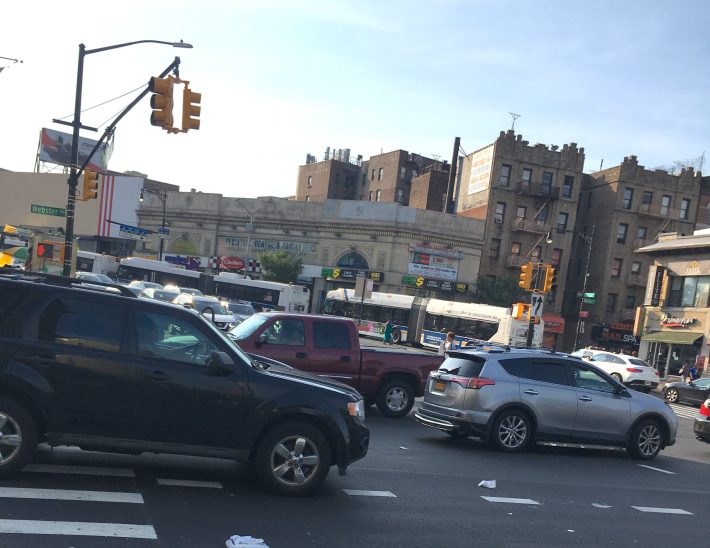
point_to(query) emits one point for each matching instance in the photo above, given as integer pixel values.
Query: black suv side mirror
(219, 364)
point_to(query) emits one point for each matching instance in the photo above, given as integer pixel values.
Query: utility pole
(449, 206)
(587, 240)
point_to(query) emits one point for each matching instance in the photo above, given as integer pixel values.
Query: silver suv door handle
(531, 392)
(585, 398)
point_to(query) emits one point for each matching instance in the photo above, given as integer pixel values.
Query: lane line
(511, 500)
(80, 470)
(362, 493)
(66, 494)
(663, 510)
(189, 483)
(79, 528)
(656, 469)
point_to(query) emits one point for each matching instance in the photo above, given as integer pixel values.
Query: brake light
(473, 383)
(634, 370)
(705, 408)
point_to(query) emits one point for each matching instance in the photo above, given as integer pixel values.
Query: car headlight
(357, 409)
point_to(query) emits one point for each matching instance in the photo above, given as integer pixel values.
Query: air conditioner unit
(498, 220)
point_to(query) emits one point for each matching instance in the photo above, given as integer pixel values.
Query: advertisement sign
(190, 263)
(657, 286)
(436, 249)
(351, 274)
(232, 263)
(481, 165)
(435, 285)
(433, 266)
(55, 147)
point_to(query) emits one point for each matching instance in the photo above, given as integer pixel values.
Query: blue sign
(132, 230)
(163, 230)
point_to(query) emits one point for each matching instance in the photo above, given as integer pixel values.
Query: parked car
(329, 346)
(701, 425)
(191, 291)
(241, 311)
(166, 294)
(141, 285)
(629, 370)
(694, 393)
(96, 367)
(94, 277)
(210, 307)
(514, 397)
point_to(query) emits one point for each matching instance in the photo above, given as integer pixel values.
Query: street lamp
(76, 124)
(163, 197)
(250, 228)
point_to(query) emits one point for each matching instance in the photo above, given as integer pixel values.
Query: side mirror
(262, 339)
(219, 364)
(209, 312)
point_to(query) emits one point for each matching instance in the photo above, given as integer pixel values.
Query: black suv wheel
(293, 459)
(511, 431)
(18, 437)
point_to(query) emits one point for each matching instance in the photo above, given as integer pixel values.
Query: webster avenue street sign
(47, 210)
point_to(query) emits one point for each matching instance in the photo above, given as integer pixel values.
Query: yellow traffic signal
(526, 275)
(91, 185)
(550, 278)
(190, 109)
(161, 102)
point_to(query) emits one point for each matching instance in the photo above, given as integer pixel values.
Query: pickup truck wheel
(396, 336)
(395, 399)
(18, 437)
(293, 459)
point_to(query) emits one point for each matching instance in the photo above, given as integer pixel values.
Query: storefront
(668, 350)
(554, 329)
(615, 337)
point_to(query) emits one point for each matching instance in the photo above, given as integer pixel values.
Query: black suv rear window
(464, 367)
(11, 297)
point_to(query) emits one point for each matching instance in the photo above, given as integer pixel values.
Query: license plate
(647, 383)
(439, 386)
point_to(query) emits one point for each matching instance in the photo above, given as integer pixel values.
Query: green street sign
(48, 210)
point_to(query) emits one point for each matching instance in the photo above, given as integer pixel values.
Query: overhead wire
(105, 102)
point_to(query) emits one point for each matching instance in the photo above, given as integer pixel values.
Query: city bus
(136, 268)
(262, 295)
(422, 321)
(87, 261)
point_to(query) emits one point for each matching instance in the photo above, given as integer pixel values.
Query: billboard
(55, 148)
(481, 165)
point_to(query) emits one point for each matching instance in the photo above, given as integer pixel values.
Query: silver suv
(512, 397)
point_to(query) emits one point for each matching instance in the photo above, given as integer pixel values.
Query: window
(400, 195)
(165, 337)
(641, 232)
(82, 324)
(556, 258)
(515, 249)
(611, 302)
(567, 186)
(520, 212)
(308, 198)
(562, 221)
(630, 303)
(636, 267)
(377, 195)
(494, 250)
(647, 197)
(628, 198)
(331, 335)
(11, 298)
(616, 267)
(621, 233)
(499, 216)
(369, 198)
(535, 253)
(310, 182)
(372, 176)
(546, 179)
(591, 380)
(543, 371)
(380, 173)
(527, 174)
(684, 209)
(286, 333)
(665, 204)
(364, 179)
(402, 172)
(505, 174)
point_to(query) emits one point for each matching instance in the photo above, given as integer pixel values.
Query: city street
(416, 487)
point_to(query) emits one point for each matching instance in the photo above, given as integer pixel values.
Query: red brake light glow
(705, 408)
(634, 370)
(473, 383)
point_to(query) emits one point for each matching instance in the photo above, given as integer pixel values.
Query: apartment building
(527, 195)
(336, 177)
(628, 207)
(428, 190)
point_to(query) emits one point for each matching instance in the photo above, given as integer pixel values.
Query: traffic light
(46, 251)
(190, 109)
(91, 185)
(526, 275)
(161, 102)
(550, 278)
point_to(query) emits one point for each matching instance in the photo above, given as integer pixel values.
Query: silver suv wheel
(512, 431)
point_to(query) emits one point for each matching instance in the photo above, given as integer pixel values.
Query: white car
(210, 307)
(629, 370)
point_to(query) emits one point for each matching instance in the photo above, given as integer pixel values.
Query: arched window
(353, 259)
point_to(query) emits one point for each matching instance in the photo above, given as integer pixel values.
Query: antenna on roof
(515, 117)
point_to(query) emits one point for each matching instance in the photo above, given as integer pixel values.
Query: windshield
(244, 309)
(162, 295)
(243, 355)
(201, 306)
(248, 326)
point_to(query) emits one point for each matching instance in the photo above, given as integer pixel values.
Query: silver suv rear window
(464, 367)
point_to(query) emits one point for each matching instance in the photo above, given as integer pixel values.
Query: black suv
(93, 366)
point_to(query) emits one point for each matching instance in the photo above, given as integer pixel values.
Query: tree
(280, 266)
(499, 291)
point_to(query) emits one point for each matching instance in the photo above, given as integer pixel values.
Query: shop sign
(673, 321)
(433, 249)
(657, 285)
(350, 274)
(232, 263)
(435, 285)
(690, 268)
(609, 334)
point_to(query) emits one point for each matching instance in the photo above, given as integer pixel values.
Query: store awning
(674, 337)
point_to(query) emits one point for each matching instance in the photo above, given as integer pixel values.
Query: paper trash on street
(490, 484)
(245, 542)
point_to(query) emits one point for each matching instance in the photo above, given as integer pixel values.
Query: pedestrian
(694, 375)
(388, 331)
(447, 344)
(685, 371)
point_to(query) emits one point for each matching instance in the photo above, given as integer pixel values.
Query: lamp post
(587, 240)
(250, 228)
(163, 197)
(76, 124)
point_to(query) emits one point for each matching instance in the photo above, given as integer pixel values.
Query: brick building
(334, 178)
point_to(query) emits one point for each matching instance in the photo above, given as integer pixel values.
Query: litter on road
(489, 484)
(245, 542)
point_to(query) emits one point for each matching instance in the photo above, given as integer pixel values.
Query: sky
(283, 78)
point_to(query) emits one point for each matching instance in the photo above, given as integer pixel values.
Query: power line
(106, 102)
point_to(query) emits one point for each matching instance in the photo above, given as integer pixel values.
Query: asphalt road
(416, 487)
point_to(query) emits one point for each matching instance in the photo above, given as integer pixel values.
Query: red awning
(554, 323)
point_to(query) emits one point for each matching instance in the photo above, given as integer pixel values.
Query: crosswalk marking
(656, 469)
(80, 470)
(684, 411)
(189, 483)
(511, 500)
(66, 494)
(662, 510)
(363, 493)
(79, 528)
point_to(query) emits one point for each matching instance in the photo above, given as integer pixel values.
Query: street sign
(163, 230)
(536, 305)
(584, 314)
(128, 231)
(47, 210)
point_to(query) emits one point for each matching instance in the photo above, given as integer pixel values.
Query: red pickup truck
(329, 346)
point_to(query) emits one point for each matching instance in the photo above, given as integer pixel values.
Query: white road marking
(684, 411)
(361, 493)
(189, 483)
(80, 470)
(656, 469)
(80, 528)
(663, 510)
(597, 505)
(511, 500)
(65, 494)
